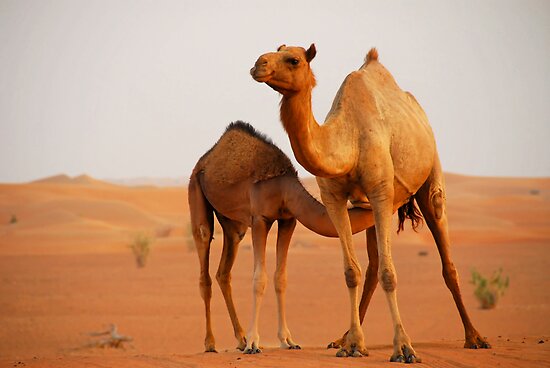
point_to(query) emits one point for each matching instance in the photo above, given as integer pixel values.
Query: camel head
(287, 70)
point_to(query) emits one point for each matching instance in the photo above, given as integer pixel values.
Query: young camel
(248, 182)
(375, 148)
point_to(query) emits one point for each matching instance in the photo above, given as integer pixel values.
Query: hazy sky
(119, 89)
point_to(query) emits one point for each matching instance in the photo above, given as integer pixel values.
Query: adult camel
(376, 149)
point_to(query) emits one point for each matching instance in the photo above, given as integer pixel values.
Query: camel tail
(371, 56)
(409, 211)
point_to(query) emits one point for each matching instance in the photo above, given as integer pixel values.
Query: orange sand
(66, 270)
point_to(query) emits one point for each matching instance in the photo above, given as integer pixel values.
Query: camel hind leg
(431, 200)
(202, 224)
(233, 232)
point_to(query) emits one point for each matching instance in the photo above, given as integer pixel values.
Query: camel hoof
(477, 343)
(483, 345)
(210, 350)
(294, 347)
(409, 359)
(252, 350)
(405, 354)
(342, 353)
(398, 359)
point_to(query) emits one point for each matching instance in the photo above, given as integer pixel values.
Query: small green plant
(13, 219)
(489, 291)
(141, 247)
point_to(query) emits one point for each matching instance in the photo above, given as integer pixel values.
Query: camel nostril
(262, 61)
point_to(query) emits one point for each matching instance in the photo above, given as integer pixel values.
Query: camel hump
(372, 55)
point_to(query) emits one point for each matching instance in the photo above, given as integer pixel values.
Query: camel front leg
(260, 228)
(285, 230)
(382, 204)
(371, 280)
(354, 344)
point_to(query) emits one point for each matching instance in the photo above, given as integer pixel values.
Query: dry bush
(489, 291)
(141, 247)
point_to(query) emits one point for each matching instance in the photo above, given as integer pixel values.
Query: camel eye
(293, 61)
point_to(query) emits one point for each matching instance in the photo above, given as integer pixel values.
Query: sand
(67, 270)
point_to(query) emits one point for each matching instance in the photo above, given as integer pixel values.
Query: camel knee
(353, 276)
(260, 282)
(387, 279)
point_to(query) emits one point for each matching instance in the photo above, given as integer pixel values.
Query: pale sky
(122, 89)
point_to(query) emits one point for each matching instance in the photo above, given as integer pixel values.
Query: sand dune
(66, 270)
(65, 179)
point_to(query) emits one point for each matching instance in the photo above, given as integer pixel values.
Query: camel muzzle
(259, 71)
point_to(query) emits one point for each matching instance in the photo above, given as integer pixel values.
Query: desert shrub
(13, 219)
(489, 291)
(141, 247)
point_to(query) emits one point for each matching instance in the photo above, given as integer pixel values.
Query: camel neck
(317, 148)
(299, 123)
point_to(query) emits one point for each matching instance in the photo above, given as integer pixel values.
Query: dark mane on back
(248, 128)
(251, 131)
(270, 160)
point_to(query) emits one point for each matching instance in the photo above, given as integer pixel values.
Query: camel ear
(311, 52)
(280, 47)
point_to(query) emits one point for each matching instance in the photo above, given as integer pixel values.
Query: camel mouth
(259, 76)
